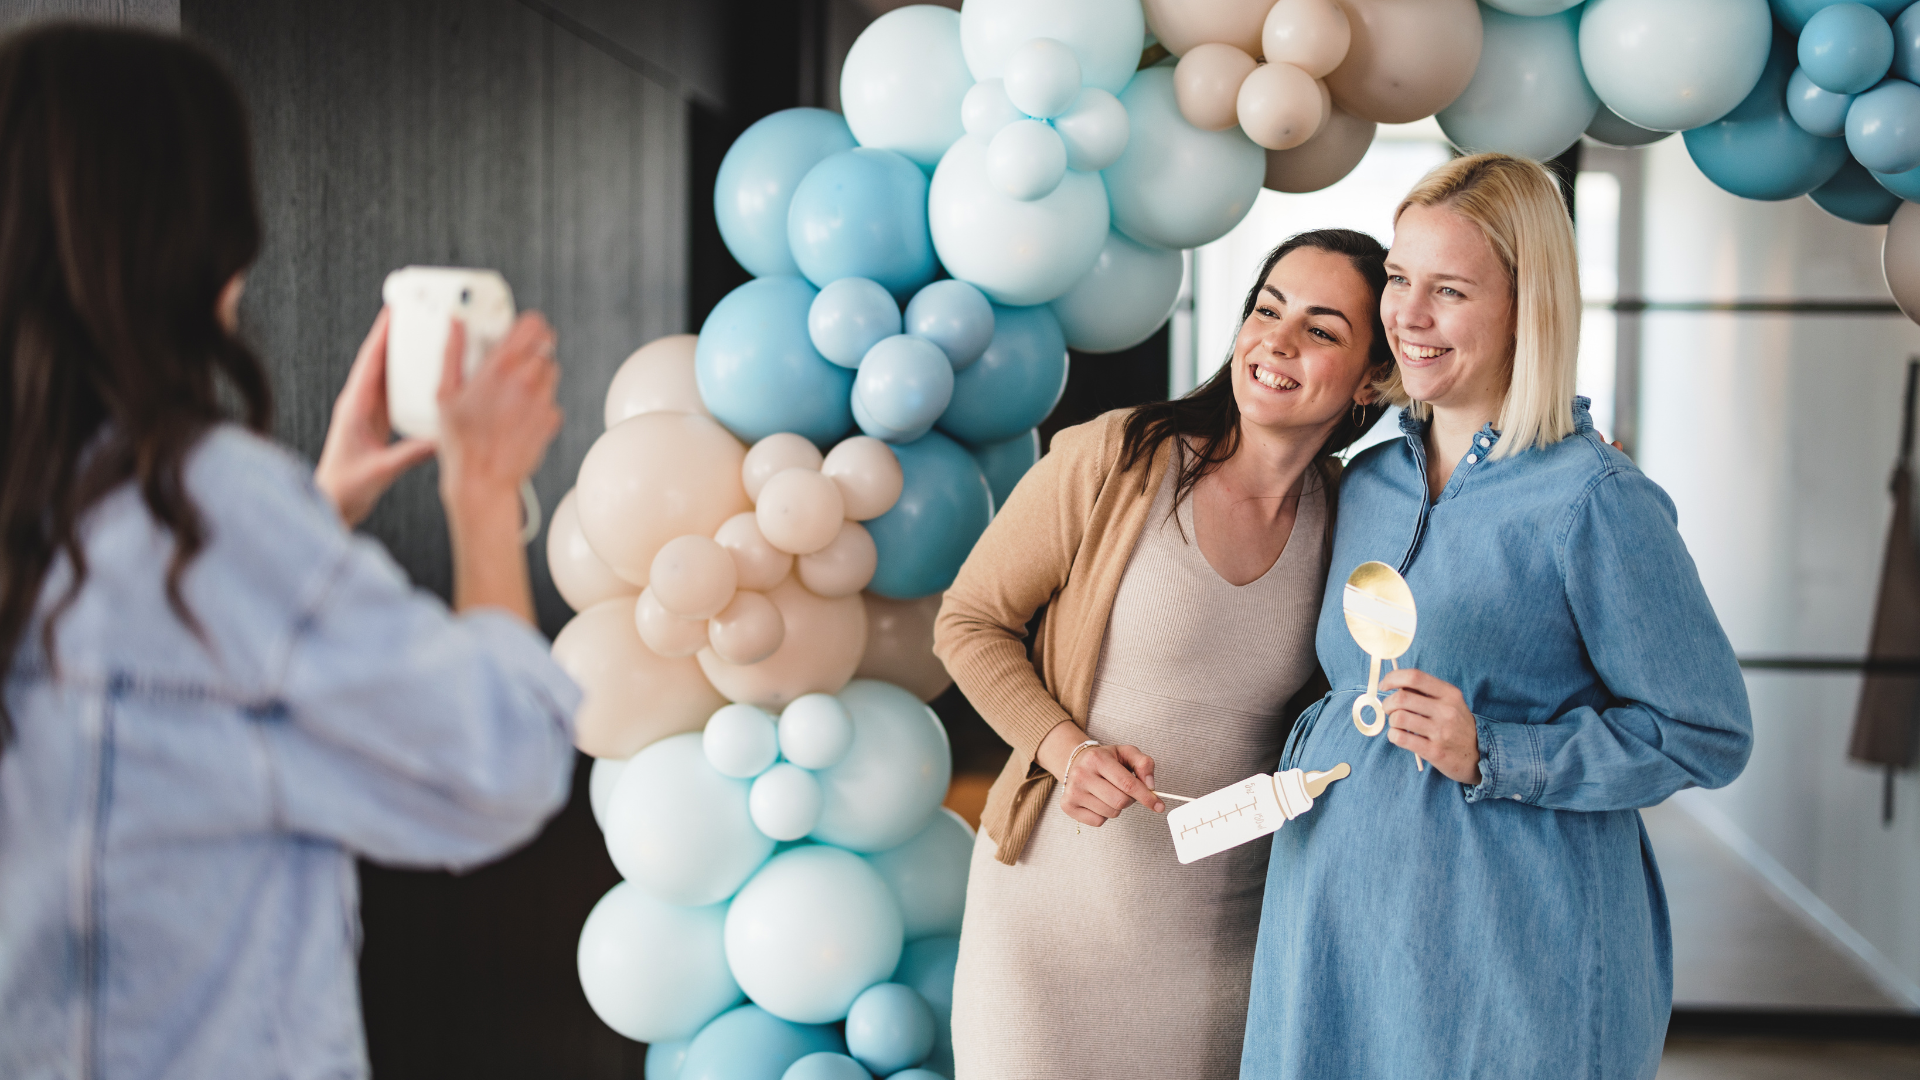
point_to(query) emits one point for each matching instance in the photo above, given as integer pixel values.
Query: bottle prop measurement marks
(1245, 811)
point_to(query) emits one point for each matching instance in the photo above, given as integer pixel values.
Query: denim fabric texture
(179, 813)
(1418, 927)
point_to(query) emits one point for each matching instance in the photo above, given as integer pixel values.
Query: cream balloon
(868, 474)
(900, 645)
(1408, 59)
(776, 453)
(583, 580)
(633, 696)
(843, 567)
(1312, 35)
(748, 631)
(1184, 25)
(1280, 106)
(663, 631)
(654, 477)
(822, 645)
(1206, 85)
(759, 566)
(658, 377)
(693, 577)
(1900, 257)
(800, 510)
(1322, 160)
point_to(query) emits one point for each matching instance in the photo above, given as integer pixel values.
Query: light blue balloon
(600, 784)
(890, 1027)
(903, 386)
(1177, 186)
(1795, 13)
(1906, 184)
(665, 1059)
(955, 316)
(863, 213)
(1530, 7)
(1004, 463)
(1528, 97)
(1906, 44)
(1026, 159)
(1669, 66)
(1846, 48)
(944, 506)
(740, 741)
(757, 178)
(654, 971)
(851, 316)
(927, 965)
(1817, 111)
(1015, 384)
(758, 371)
(826, 1067)
(890, 784)
(1016, 252)
(921, 1074)
(1609, 129)
(1883, 127)
(928, 876)
(1758, 151)
(1121, 301)
(812, 929)
(1105, 35)
(785, 802)
(1855, 195)
(815, 731)
(680, 830)
(868, 425)
(903, 80)
(750, 1043)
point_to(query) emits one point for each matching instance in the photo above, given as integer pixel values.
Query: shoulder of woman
(258, 496)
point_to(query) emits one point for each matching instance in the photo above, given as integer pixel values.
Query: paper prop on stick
(1380, 616)
(1245, 811)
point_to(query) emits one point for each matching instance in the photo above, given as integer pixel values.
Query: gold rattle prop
(1380, 616)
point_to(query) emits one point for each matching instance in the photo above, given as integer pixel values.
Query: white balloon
(678, 829)
(1027, 160)
(1177, 186)
(740, 741)
(600, 783)
(1018, 253)
(1094, 130)
(785, 802)
(654, 971)
(815, 731)
(1671, 65)
(1042, 78)
(928, 876)
(814, 928)
(1105, 35)
(902, 83)
(1528, 97)
(986, 109)
(1121, 301)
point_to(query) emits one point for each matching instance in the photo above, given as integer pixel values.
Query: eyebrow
(1335, 312)
(1393, 269)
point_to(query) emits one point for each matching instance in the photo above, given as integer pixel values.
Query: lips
(1271, 379)
(1422, 355)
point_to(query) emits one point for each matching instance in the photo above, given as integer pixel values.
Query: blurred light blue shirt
(179, 817)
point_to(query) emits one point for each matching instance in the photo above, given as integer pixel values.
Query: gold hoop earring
(1359, 415)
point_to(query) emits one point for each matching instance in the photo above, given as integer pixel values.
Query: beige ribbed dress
(1098, 955)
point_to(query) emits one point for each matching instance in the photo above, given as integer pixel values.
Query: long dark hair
(126, 204)
(1209, 418)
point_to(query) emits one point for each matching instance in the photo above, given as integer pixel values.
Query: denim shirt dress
(1419, 927)
(179, 813)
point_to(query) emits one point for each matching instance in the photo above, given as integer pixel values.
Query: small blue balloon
(1017, 381)
(863, 213)
(1846, 48)
(1906, 44)
(903, 386)
(869, 426)
(758, 371)
(1794, 14)
(944, 506)
(1906, 184)
(664, 1059)
(751, 1043)
(827, 1067)
(955, 316)
(1855, 195)
(890, 1028)
(757, 179)
(1817, 111)
(1006, 462)
(1883, 127)
(851, 316)
(927, 965)
(1758, 151)
(918, 1074)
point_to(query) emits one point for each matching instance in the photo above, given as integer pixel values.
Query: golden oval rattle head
(1379, 609)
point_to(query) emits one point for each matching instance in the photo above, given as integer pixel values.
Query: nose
(1412, 312)
(1282, 338)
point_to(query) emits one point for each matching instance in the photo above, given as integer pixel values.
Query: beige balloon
(800, 511)
(583, 580)
(1206, 84)
(1322, 160)
(1181, 25)
(868, 475)
(748, 631)
(823, 642)
(900, 645)
(633, 696)
(1312, 35)
(693, 577)
(778, 452)
(1900, 257)
(658, 377)
(759, 565)
(654, 477)
(663, 631)
(1280, 106)
(843, 567)
(1408, 58)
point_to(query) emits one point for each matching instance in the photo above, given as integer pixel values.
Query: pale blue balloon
(1016, 252)
(600, 784)
(1846, 48)
(1530, 7)
(654, 971)
(1795, 13)
(1105, 35)
(1883, 127)
(890, 1027)
(757, 179)
(1758, 151)
(812, 929)
(863, 213)
(868, 425)
(1121, 301)
(849, 317)
(815, 731)
(1017, 381)
(750, 1043)
(955, 316)
(1177, 186)
(758, 371)
(826, 1067)
(1817, 111)
(1042, 78)
(927, 965)
(890, 784)
(740, 741)
(943, 508)
(679, 829)
(1670, 66)
(1095, 130)
(785, 802)
(1004, 463)
(903, 80)
(1906, 44)
(1856, 195)
(1609, 129)
(1528, 97)
(664, 1060)
(928, 876)
(920, 1074)
(903, 386)
(1026, 160)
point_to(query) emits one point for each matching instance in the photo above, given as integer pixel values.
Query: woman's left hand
(1430, 717)
(360, 459)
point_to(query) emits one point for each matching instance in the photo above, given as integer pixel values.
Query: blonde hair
(1518, 207)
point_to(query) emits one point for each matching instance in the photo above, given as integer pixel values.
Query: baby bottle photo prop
(1380, 616)
(1244, 811)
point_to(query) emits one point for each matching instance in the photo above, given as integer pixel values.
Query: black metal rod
(1878, 665)
(1751, 307)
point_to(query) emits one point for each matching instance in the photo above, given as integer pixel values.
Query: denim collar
(1582, 421)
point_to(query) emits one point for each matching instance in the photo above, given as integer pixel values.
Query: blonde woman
(1497, 913)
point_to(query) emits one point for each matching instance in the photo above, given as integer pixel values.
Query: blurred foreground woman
(216, 695)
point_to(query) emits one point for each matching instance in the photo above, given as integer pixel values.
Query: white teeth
(1274, 380)
(1423, 352)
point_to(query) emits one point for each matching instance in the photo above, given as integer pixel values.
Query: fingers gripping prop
(1245, 811)
(1380, 616)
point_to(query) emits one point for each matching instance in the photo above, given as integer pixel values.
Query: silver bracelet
(1068, 771)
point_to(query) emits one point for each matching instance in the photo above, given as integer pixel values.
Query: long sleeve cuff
(1512, 762)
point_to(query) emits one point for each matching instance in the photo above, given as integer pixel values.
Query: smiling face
(1449, 311)
(1300, 361)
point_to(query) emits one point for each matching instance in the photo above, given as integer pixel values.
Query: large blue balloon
(928, 875)
(1846, 48)
(944, 506)
(1015, 384)
(1757, 151)
(1855, 195)
(1906, 45)
(1671, 65)
(1006, 462)
(664, 1059)
(1794, 14)
(814, 928)
(1818, 112)
(1177, 186)
(927, 965)
(758, 371)
(654, 971)
(751, 1043)
(863, 213)
(1528, 96)
(889, 786)
(757, 179)
(1883, 127)
(1121, 301)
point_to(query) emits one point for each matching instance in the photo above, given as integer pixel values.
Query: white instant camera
(424, 301)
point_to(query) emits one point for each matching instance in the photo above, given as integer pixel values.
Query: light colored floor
(1760, 1059)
